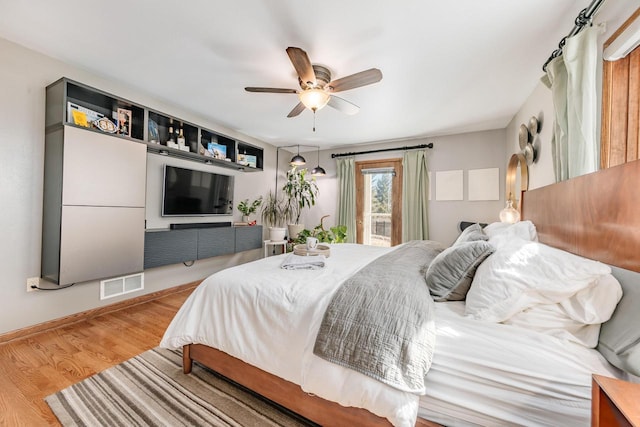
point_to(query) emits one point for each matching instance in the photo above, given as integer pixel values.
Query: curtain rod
(429, 145)
(584, 17)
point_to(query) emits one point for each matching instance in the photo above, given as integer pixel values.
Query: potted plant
(301, 193)
(247, 209)
(336, 234)
(274, 215)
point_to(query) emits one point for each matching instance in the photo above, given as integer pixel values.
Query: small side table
(268, 244)
(614, 402)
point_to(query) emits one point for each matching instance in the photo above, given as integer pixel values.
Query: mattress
(495, 374)
(482, 373)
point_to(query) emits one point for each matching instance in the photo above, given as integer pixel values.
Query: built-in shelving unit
(94, 110)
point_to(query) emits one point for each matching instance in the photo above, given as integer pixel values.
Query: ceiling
(448, 66)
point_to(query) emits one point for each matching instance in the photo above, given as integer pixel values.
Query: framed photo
(218, 151)
(124, 121)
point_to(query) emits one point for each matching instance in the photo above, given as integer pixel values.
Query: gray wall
(24, 74)
(477, 150)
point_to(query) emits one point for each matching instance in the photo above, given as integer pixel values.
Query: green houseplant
(274, 216)
(248, 208)
(336, 234)
(301, 193)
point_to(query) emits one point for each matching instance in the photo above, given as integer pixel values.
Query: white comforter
(269, 317)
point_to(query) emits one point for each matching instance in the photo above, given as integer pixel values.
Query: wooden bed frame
(594, 216)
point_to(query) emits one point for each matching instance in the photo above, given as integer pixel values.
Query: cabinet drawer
(170, 247)
(248, 238)
(215, 241)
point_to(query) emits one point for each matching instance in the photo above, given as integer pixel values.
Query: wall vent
(121, 285)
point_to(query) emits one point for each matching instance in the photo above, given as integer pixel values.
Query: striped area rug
(151, 390)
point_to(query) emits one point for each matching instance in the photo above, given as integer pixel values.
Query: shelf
(78, 105)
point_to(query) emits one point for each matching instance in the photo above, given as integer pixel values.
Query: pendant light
(318, 170)
(509, 214)
(297, 160)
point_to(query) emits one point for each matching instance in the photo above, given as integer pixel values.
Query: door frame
(396, 197)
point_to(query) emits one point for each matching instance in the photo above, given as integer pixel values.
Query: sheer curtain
(572, 78)
(415, 194)
(347, 196)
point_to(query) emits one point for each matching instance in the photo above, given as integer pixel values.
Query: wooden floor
(39, 365)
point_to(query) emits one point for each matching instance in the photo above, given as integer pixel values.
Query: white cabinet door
(99, 242)
(102, 170)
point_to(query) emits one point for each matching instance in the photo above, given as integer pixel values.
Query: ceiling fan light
(314, 99)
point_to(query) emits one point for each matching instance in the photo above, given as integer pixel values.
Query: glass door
(379, 202)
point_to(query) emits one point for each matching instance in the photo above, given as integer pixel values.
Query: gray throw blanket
(380, 322)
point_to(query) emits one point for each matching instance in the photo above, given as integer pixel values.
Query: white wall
(24, 74)
(477, 150)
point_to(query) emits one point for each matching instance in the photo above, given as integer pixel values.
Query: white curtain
(347, 196)
(572, 77)
(415, 194)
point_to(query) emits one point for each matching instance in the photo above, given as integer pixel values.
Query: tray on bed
(319, 250)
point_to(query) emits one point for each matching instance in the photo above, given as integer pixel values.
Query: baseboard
(85, 315)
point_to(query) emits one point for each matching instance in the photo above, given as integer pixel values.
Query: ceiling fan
(316, 87)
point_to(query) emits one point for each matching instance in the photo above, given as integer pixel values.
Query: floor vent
(121, 285)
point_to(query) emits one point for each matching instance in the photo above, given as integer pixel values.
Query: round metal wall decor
(523, 136)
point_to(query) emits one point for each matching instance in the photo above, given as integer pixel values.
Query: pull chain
(314, 119)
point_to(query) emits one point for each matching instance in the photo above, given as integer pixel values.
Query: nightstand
(614, 402)
(268, 244)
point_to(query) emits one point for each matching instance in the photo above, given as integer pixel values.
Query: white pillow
(501, 232)
(577, 318)
(521, 274)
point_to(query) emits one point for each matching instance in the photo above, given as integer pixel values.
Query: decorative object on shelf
(154, 135)
(181, 140)
(124, 121)
(248, 208)
(170, 136)
(509, 214)
(81, 116)
(218, 151)
(105, 125)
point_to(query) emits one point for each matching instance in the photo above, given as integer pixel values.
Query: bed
(476, 374)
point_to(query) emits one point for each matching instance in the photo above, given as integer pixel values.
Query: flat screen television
(188, 192)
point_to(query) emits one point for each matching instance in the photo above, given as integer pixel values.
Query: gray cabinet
(164, 247)
(94, 201)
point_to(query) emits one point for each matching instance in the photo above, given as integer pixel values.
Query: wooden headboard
(596, 216)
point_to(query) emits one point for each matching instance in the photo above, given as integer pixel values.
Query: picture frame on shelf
(81, 116)
(218, 151)
(124, 121)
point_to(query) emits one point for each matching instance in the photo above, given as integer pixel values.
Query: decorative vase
(245, 218)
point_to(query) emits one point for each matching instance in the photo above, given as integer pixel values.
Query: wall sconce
(509, 214)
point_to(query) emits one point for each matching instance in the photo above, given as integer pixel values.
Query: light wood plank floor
(39, 365)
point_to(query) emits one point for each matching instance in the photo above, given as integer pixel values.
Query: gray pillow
(619, 339)
(450, 273)
(471, 234)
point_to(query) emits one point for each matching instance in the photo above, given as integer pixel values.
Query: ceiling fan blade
(343, 105)
(297, 110)
(302, 64)
(363, 78)
(269, 90)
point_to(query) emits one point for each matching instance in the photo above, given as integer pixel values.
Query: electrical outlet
(32, 281)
